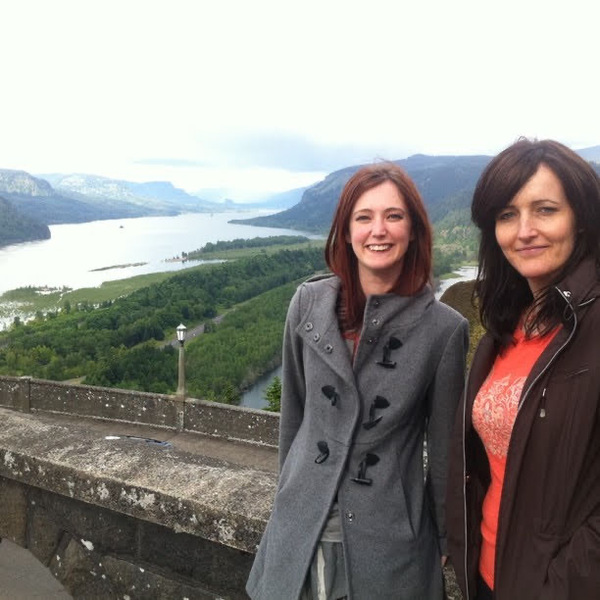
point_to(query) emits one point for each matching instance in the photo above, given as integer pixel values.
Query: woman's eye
(505, 215)
(361, 218)
(395, 216)
(547, 210)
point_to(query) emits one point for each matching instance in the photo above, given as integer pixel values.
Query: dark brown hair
(341, 258)
(503, 294)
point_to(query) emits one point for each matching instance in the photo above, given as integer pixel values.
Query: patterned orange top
(494, 413)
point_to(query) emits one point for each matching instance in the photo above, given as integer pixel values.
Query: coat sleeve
(293, 384)
(574, 572)
(443, 398)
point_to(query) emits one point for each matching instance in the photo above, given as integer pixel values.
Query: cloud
(170, 162)
(286, 151)
(249, 93)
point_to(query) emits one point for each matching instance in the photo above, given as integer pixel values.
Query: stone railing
(124, 494)
(197, 416)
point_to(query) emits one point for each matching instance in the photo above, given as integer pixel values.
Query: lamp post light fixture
(181, 329)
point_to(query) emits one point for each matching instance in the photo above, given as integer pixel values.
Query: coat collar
(385, 314)
(582, 286)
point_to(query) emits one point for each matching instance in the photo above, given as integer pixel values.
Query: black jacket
(548, 544)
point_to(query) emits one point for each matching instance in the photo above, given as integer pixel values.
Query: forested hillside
(16, 227)
(121, 344)
(446, 183)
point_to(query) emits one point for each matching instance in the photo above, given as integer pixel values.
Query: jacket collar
(582, 286)
(319, 325)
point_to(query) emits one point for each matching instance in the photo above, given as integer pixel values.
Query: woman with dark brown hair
(524, 485)
(373, 366)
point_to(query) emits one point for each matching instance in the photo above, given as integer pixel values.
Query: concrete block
(81, 571)
(133, 581)
(211, 564)
(105, 529)
(43, 534)
(13, 515)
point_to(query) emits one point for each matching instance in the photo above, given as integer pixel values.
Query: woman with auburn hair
(524, 484)
(372, 366)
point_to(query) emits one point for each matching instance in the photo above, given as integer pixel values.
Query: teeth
(379, 247)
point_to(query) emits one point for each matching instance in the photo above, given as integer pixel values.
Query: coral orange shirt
(494, 413)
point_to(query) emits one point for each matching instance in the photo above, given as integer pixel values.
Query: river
(87, 254)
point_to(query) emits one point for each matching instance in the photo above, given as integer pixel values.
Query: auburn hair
(340, 257)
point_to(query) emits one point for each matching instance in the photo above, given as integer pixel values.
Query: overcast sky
(259, 95)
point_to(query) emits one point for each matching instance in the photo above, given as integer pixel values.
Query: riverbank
(465, 273)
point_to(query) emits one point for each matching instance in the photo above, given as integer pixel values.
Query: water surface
(87, 254)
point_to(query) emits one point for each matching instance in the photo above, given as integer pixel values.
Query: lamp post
(181, 329)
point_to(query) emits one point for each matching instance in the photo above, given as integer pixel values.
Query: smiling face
(536, 230)
(380, 231)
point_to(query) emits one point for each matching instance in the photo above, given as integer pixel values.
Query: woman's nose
(526, 227)
(379, 227)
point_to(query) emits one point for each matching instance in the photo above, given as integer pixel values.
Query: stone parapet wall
(116, 509)
(149, 497)
(99, 553)
(209, 418)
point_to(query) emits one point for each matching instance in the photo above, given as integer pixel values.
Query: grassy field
(236, 253)
(26, 302)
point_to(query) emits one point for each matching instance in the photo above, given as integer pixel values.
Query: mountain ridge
(446, 183)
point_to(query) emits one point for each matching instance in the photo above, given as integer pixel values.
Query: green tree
(273, 395)
(230, 394)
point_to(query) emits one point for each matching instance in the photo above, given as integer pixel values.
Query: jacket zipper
(464, 458)
(565, 295)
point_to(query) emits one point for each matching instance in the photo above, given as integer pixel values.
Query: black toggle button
(330, 393)
(379, 403)
(392, 344)
(369, 461)
(324, 452)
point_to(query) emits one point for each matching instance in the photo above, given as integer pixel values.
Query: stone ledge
(193, 485)
(98, 553)
(26, 394)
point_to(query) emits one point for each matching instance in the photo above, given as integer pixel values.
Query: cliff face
(20, 182)
(157, 195)
(40, 201)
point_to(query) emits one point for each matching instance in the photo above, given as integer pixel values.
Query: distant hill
(439, 178)
(75, 198)
(446, 183)
(280, 200)
(37, 199)
(16, 227)
(591, 154)
(275, 201)
(154, 197)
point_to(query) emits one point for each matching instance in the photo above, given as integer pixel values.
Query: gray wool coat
(356, 431)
